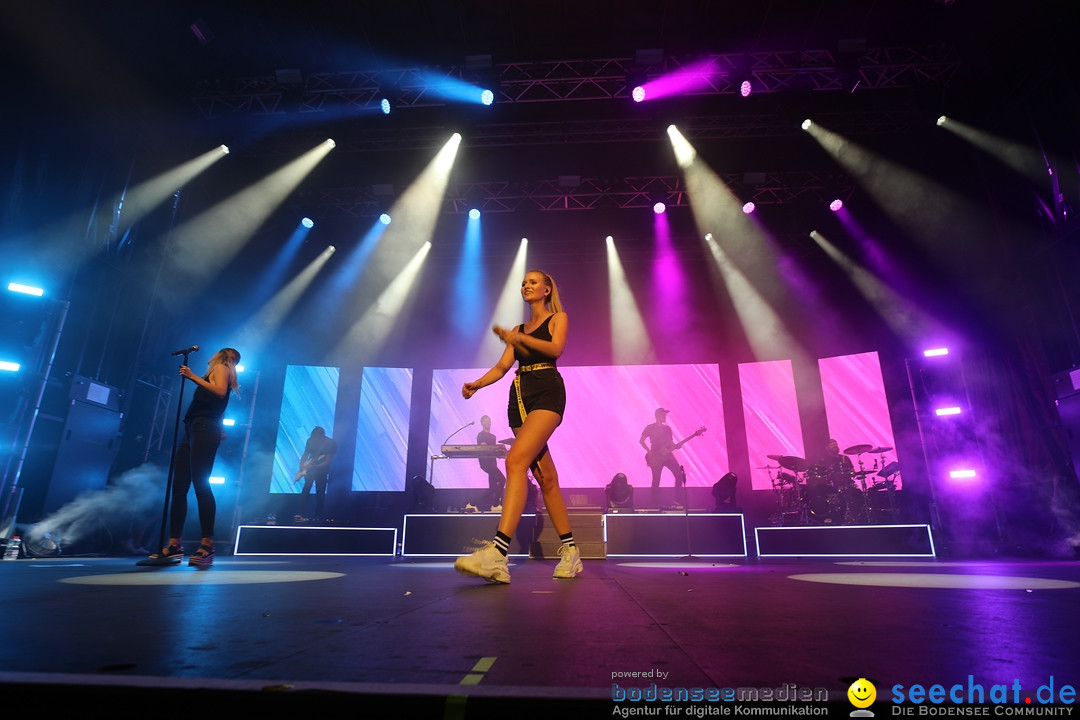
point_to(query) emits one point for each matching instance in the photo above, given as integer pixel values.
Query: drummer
(836, 469)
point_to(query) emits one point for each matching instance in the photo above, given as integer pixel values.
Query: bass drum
(824, 505)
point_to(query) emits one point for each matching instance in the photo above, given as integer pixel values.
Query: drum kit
(834, 493)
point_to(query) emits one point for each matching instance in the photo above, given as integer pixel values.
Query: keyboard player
(496, 479)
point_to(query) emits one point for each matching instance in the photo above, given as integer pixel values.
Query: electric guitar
(307, 465)
(657, 456)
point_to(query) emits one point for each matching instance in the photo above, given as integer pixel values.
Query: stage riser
(597, 536)
(846, 541)
(675, 535)
(292, 540)
(452, 535)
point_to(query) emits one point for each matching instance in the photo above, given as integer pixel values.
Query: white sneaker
(487, 563)
(569, 562)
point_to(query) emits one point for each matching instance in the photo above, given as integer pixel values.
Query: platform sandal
(171, 555)
(203, 557)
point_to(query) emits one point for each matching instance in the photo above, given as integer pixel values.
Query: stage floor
(264, 633)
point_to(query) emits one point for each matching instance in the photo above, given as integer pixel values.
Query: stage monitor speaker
(88, 443)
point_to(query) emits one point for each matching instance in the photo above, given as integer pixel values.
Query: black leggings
(194, 462)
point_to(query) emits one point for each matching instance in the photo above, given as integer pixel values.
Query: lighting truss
(574, 80)
(775, 188)
(714, 127)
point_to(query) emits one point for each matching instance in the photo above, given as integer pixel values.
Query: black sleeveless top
(205, 404)
(542, 332)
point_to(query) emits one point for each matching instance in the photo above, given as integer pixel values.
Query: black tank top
(542, 332)
(205, 404)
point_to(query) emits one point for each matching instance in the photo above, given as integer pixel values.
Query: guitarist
(659, 453)
(315, 469)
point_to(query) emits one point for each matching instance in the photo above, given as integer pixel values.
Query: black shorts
(540, 390)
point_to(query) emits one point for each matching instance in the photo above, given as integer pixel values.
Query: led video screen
(607, 409)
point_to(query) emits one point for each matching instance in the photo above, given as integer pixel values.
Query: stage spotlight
(942, 120)
(836, 205)
(619, 494)
(487, 97)
(239, 368)
(935, 352)
(308, 223)
(945, 411)
(474, 214)
(331, 143)
(384, 105)
(384, 219)
(7, 366)
(807, 123)
(745, 89)
(217, 480)
(659, 208)
(748, 208)
(962, 474)
(46, 546)
(25, 289)
(224, 149)
(228, 422)
(638, 94)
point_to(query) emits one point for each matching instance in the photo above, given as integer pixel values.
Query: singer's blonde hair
(229, 357)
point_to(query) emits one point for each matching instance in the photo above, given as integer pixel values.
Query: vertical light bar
(309, 399)
(382, 429)
(25, 289)
(856, 408)
(771, 414)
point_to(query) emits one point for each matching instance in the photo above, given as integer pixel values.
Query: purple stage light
(749, 208)
(935, 352)
(659, 208)
(638, 94)
(962, 474)
(836, 205)
(745, 89)
(946, 411)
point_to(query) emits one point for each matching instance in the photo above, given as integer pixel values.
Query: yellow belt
(534, 366)
(517, 382)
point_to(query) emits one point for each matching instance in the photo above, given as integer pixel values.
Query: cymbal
(507, 441)
(863, 473)
(774, 457)
(791, 462)
(858, 449)
(880, 449)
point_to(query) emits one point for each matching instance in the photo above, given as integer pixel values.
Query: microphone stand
(169, 481)
(686, 515)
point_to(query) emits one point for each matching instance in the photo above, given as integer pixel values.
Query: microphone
(186, 351)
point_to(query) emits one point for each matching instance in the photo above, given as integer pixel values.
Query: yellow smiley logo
(862, 693)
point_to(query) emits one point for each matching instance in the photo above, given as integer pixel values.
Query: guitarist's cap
(661, 411)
